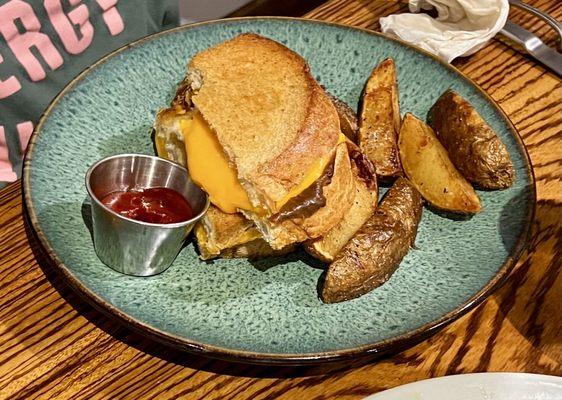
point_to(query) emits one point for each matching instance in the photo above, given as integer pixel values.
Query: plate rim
(377, 348)
(460, 378)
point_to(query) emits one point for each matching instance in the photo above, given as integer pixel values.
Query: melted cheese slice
(209, 168)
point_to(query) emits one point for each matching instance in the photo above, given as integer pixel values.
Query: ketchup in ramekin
(157, 205)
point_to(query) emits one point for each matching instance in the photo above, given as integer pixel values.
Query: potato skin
(349, 124)
(427, 165)
(473, 147)
(379, 121)
(373, 254)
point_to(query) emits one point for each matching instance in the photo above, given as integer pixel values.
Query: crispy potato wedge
(375, 251)
(328, 246)
(427, 165)
(379, 121)
(349, 124)
(473, 147)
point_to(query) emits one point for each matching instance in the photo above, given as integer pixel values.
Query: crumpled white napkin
(461, 28)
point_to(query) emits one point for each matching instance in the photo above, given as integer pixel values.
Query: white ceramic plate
(484, 386)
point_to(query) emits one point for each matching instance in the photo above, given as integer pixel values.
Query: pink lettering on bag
(9, 86)
(111, 16)
(21, 43)
(63, 24)
(25, 129)
(7, 173)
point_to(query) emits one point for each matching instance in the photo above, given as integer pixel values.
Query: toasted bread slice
(338, 194)
(270, 116)
(364, 204)
(225, 235)
(258, 248)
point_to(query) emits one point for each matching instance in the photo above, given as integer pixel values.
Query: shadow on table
(124, 334)
(530, 299)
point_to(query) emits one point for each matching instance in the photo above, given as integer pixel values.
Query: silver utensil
(532, 44)
(134, 247)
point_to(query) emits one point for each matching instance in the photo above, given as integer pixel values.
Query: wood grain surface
(53, 345)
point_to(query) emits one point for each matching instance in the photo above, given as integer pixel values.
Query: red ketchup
(157, 205)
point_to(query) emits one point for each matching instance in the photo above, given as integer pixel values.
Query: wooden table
(53, 345)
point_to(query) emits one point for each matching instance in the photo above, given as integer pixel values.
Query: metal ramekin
(134, 247)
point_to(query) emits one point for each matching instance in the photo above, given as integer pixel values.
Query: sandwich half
(262, 138)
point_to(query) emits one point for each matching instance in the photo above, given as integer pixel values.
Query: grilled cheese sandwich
(262, 138)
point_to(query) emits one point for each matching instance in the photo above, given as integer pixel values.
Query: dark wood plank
(288, 8)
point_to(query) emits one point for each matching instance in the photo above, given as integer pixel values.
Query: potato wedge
(473, 147)
(379, 121)
(427, 165)
(375, 251)
(349, 124)
(328, 246)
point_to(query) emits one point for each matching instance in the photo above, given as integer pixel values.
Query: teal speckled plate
(266, 310)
